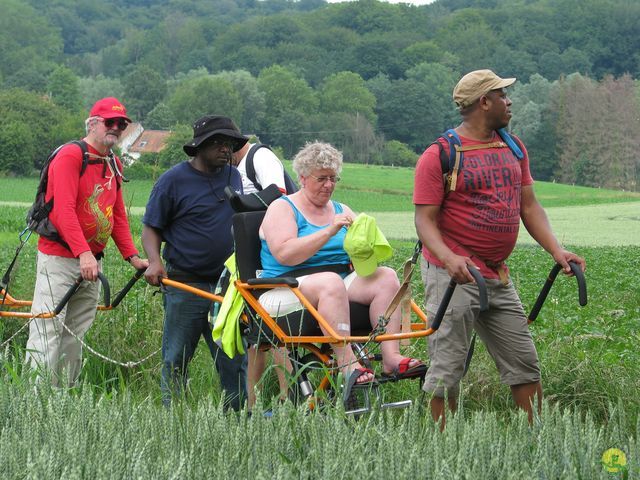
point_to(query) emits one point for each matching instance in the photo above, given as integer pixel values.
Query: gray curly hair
(316, 156)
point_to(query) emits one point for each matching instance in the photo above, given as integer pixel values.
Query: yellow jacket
(226, 329)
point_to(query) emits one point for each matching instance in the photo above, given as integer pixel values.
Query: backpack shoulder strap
(451, 163)
(44, 173)
(250, 168)
(512, 142)
(85, 154)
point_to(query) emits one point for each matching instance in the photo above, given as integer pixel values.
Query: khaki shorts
(503, 328)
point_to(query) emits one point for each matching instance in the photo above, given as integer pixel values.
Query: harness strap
(452, 180)
(481, 146)
(336, 268)
(402, 296)
(500, 267)
(405, 303)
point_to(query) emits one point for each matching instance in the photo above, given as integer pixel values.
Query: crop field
(113, 425)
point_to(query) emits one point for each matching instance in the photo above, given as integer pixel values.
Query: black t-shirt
(191, 211)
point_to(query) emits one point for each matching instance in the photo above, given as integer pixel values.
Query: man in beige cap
(475, 222)
(476, 84)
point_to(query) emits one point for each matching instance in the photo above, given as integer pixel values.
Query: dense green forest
(373, 78)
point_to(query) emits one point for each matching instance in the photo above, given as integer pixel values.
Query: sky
(413, 2)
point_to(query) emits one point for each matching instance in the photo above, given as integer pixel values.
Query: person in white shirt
(268, 170)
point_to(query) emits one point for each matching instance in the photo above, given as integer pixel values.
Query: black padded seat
(252, 202)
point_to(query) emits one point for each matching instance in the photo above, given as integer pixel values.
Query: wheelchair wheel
(316, 385)
(311, 383)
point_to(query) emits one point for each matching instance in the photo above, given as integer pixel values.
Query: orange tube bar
(190, 289)
(418, 330)
(11, 302)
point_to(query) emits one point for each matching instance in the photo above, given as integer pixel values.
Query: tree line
(373, 78)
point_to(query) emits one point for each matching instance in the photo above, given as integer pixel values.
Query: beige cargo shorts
(503, 329)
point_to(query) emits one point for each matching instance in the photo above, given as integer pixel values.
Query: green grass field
(364, 188)
(604, 224)
(114, 427)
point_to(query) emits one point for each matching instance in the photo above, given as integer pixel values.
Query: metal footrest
(358, 411)
(400, 404)
(360, 395)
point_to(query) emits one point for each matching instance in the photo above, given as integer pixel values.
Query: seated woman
(306, 230)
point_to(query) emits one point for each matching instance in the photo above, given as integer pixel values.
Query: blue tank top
(331, 253)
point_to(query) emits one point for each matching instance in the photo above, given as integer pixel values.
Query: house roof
(131, 128)
(150, 141)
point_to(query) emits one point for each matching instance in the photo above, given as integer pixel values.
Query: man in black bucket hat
(188, 211)
(214, 125)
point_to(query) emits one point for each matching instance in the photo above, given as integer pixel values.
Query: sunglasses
(221, 143)
(119, 123)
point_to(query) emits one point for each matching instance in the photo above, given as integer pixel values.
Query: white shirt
(268, 169)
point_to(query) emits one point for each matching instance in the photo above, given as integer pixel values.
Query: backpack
(453, 162)
(289, 183)
(38, 215)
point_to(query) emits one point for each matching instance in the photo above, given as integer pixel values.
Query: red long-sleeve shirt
(87, 209)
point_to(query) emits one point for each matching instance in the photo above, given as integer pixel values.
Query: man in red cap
(88, 209)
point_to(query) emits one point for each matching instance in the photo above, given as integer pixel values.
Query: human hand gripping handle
(154, 273)
(458, 268)
(139, 263)
(563, 257)
(483, 299)
(88, 266)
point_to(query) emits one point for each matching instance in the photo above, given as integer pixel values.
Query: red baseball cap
(109, 107)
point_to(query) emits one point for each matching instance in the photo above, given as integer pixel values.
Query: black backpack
(38, 215)
(289, 183)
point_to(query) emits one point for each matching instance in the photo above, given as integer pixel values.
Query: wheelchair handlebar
(132, 281)
(482, 288)
(446, 298)
(74, 288)
(582, 288)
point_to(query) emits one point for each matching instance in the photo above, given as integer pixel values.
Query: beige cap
(477, 83)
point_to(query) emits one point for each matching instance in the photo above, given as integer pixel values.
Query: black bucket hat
(211, 125)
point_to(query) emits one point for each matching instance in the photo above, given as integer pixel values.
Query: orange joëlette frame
(11, 302)
(419, 329)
